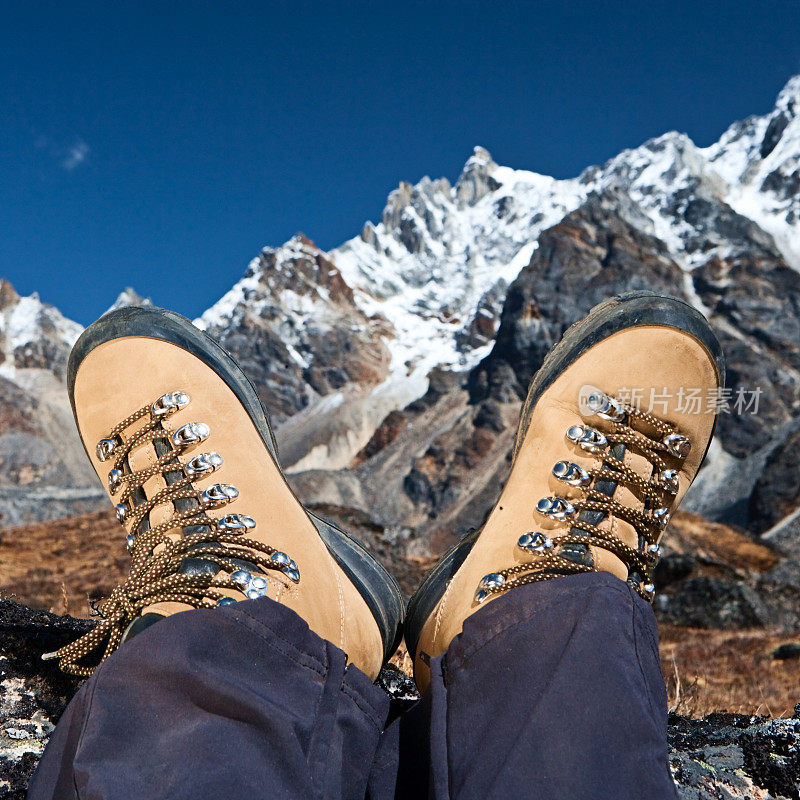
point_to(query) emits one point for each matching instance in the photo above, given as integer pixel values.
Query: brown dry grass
(709, 671)
(719, 549)
(59, 565)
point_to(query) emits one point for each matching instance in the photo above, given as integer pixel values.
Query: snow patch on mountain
(438, 250)
(273, 289)
(129, 297)
(30, 328)
(223, 311)
(759, 160)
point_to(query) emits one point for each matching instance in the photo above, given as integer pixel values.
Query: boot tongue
(189, 565)
(581, 553)
(598, 557)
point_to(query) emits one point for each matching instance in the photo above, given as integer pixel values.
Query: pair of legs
(552, 692)
(533, 639)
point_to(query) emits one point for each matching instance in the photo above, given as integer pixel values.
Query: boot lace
(161, 555)
(568, 553)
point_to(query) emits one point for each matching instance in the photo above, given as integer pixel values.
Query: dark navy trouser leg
(240, 702)
(552, 692)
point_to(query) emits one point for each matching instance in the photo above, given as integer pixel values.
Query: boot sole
(376, 586)
(609, 317)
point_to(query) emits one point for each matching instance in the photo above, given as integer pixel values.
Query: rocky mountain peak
(129, 297)
(8, 294)
(789, 97)
(396, 203)
(476, 179)
(33, 334)
(300, 267)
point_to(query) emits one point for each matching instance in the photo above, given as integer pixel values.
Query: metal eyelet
(661, 517)
(654, 550)
(226, 601)
(233, 523)
(571, 473)
(678, 445)
(241, 576)
(219, 493)
(256, 587)
(588, 439)
(114, 480)
(292, 573)
(494, 580)
(190, 434)
(203, 464)
(534, 542)
(605, 407)
(169, 403)
(555, 508)
(252, 586)
(105, 448)
(668, 480)
(129, 541)
(122, 512)
(288, 566)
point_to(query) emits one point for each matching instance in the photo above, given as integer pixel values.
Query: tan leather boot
(596, 471)
(177, 434)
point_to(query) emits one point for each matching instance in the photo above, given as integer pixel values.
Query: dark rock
(490, 415)
(785, 185)
(777, 125)
(418, 487)
(672, 568)
(401, 689)
(33, 693)
(708, 602)
(397, 684)
(483, 325)
(772, 756)
(777, 490)
(786, 651)
(735, 756)
(591, 255)
(392, 426)
(441, 382)
(758, 293)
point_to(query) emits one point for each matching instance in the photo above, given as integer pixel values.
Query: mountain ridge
(337, 341)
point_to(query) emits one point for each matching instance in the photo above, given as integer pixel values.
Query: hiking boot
(610, 438)
(180, 440)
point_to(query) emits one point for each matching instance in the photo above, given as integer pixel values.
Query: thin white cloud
(76, 155)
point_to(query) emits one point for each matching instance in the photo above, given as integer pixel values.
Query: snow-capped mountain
(348, 347)
(34, 335)
(129, 297)
(43, 470)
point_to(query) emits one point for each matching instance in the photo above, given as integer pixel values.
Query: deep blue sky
(160, 145)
